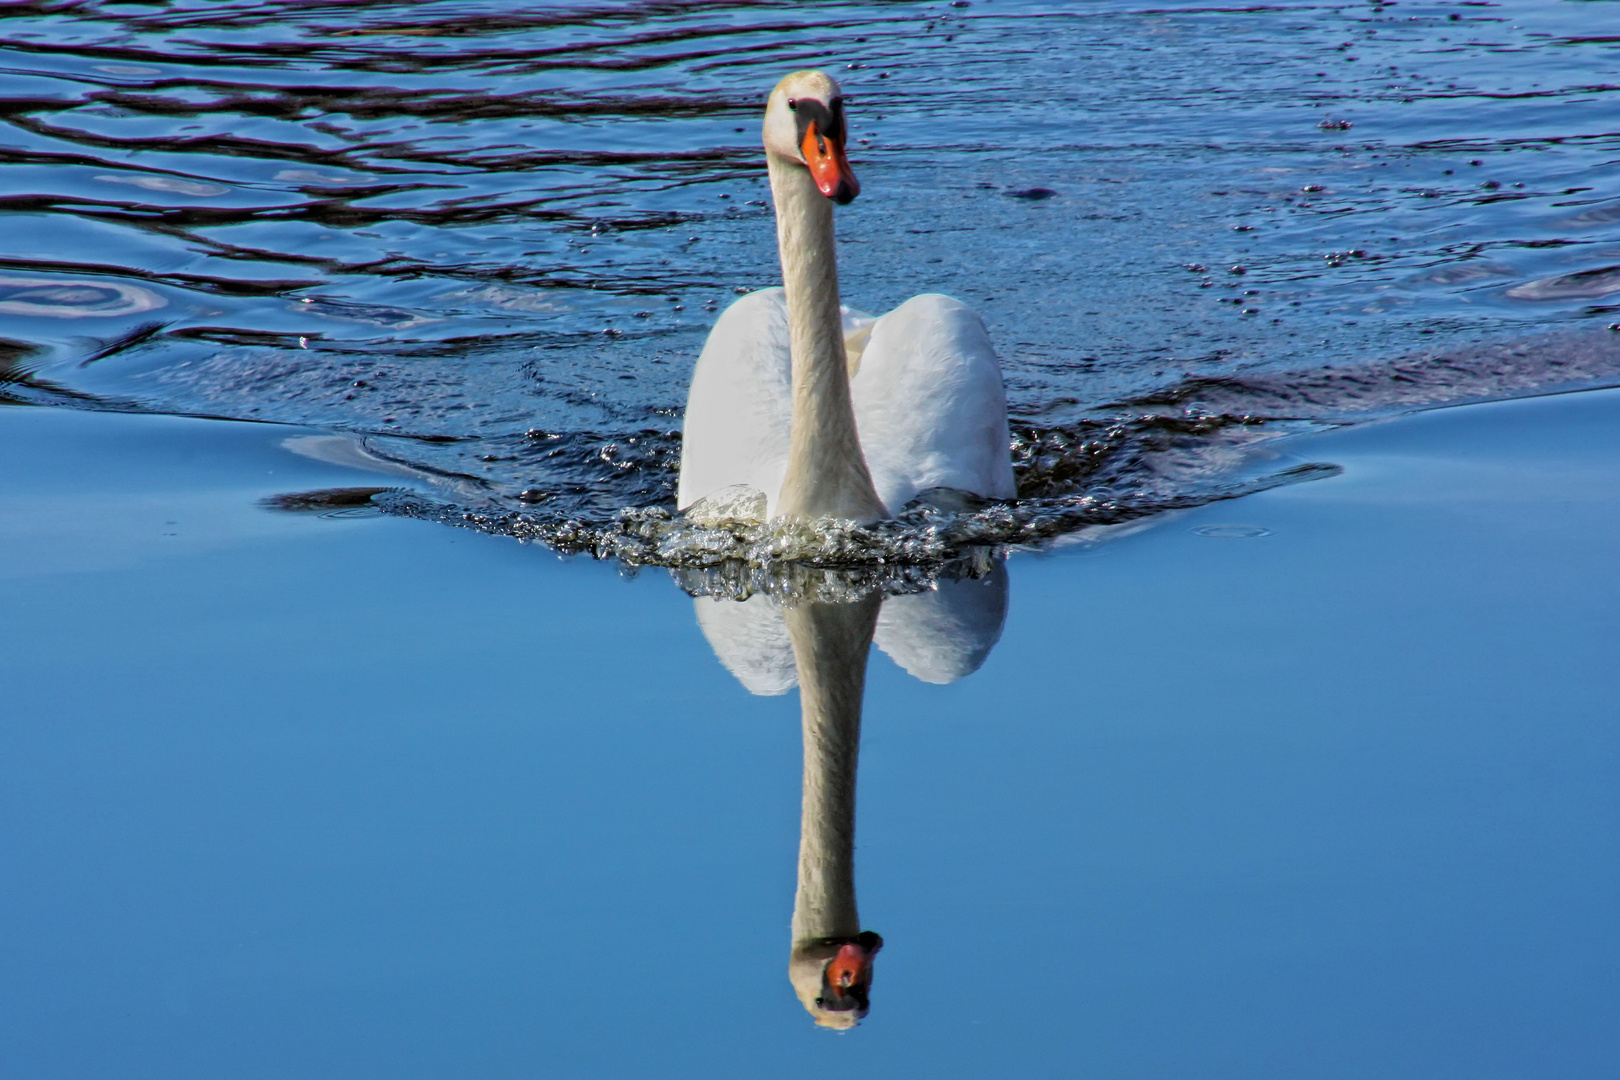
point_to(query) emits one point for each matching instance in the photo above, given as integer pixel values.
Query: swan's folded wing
(930, 405)
(740, 407)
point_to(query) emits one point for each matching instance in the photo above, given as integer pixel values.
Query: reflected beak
(851, 967)
(828, 166)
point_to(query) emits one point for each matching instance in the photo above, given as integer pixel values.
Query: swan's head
(833, 977)
(804, 123)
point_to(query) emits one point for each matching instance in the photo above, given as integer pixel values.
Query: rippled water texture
(483, 242)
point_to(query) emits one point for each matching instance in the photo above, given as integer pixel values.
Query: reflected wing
(929, 404)
(740, 407)
(751, 639)
(937, 636)
(943, 635)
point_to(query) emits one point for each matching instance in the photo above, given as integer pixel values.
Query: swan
(802, 408)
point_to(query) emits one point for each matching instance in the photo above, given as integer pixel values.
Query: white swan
(799, 407)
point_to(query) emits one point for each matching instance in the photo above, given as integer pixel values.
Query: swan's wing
(943, 635)
(929, 404)
(740, 408)
(750, 638)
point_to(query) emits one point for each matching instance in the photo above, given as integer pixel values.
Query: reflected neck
(826, 471)
(830, 646)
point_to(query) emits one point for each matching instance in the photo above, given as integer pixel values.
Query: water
(486, 244)
(1154, 780)
(1319, 781)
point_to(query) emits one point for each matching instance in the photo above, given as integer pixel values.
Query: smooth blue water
(338, 796)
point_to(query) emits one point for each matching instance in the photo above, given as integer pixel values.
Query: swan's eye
(793, 106)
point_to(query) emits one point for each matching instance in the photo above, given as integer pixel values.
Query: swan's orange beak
(828, 165)
(852, 967)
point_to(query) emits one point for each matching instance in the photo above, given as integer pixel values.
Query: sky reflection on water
(340, 796)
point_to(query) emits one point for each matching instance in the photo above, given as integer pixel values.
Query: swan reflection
(818, 637)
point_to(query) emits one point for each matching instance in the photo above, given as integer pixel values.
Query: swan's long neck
(830, 646)
(826, 472)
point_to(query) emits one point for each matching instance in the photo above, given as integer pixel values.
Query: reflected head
(833, 978)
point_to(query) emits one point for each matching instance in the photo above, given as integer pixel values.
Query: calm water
(1316, 783)
(298, 782)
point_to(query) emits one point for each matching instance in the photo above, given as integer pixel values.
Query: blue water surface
(1317, 782)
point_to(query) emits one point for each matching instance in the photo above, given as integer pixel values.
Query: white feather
(927, 393)
(929, 404)
(739, 411)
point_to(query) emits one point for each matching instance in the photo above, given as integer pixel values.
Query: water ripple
(485, 244)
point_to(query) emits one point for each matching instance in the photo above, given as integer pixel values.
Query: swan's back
(930, 405)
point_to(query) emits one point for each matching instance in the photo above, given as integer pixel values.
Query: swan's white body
(800, 407)
(930, 411)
